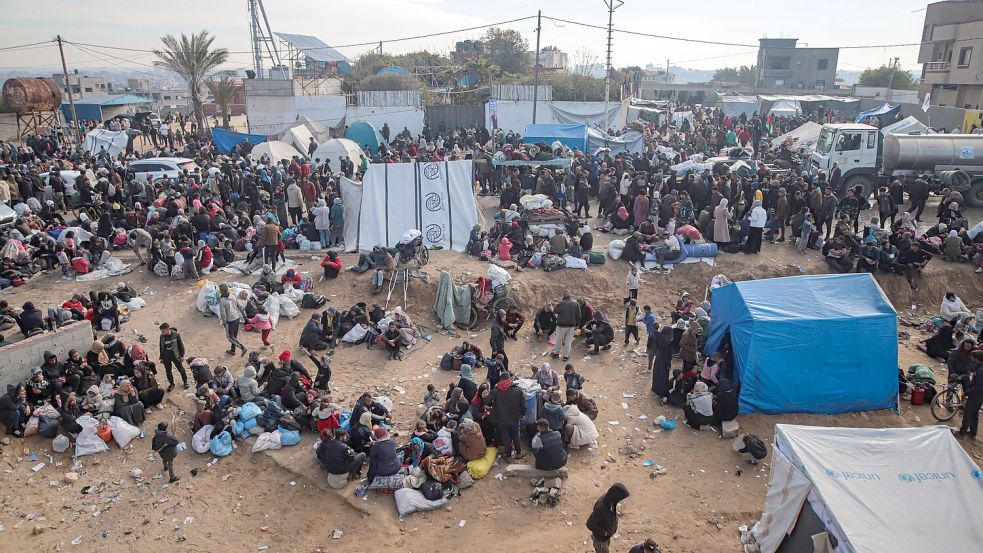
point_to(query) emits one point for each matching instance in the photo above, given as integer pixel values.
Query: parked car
(7, 216)
(150, 116)
(161, 167)
(70, 192)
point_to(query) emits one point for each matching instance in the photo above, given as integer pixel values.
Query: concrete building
(81, 84)
(651, 80)
(951, 54)
(782, 65)
(551, 61)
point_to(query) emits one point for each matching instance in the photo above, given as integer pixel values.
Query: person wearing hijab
(721, 222)
(322, 222)
(620, 223)
(603, 520)
(758, 219)
(953, 307)
(148, 391)
(467, 382)
(699, 406)
(505, 250)
(231, 317)
(547, 378)
(659, 349)
(127, 404)
(98, 359)
(939, 345)
(689, 345)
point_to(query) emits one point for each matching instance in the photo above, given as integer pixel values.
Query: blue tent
(365, 134)
(225, 140)
(886, 110)
(809, 344)
(573, 136)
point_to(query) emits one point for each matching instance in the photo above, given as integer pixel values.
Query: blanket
(113, 267)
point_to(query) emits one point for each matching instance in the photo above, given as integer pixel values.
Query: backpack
(312, 301)
(756, 447)
(553, 263)
(177, 272)
(432, 490)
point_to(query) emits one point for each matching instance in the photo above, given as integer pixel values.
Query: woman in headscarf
(361, 435)
(578, 428)
(471, 442)
(70, 412)
(659, 348)
(322, 222)
(547, 378)
(467, 382)
(134, 355)
(939, 345)
(699, 406)
(688, 345)
(721, 222)
(145, 383)
(98, 359)
(480, 412)
(127, 404)
(456, 406)
(620, 223)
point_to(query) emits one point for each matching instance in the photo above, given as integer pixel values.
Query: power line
(19, 46)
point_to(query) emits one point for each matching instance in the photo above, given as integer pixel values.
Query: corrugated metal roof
(111, 99)
(313, 47)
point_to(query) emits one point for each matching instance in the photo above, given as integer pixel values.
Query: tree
(222, 91)
(193, 58)
(389, 81)
(586, 63)
(745, 75)
(507, 49)
(483, 70)
(726, 75)
(882, 77)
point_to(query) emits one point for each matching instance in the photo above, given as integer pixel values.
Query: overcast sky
(139, 24)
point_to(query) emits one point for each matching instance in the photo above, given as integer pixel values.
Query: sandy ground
(279, 499)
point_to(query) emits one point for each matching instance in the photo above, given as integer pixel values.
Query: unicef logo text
(919, 477)
(851, 475)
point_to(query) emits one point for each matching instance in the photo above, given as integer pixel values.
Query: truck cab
(855, 148)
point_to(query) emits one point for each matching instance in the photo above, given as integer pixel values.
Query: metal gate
(452, 116)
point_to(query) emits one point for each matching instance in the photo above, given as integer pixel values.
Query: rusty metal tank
(25, 95)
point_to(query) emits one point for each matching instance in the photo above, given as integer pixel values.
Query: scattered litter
(226, 477)
(614, 423)
(264, 528)
(188, 520)
(648, 462)
(462, 523)
(627, 395)
(336, 535)
(37, 467)
(292, 483)
(624, 405)
(77, 540)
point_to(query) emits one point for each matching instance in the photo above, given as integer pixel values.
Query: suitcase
(595, 258)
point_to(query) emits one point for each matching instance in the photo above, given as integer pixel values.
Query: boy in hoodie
(247, 386)
(603, 520)
(165, 445)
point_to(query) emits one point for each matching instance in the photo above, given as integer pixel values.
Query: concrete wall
(515, 115)
(268, 114)
(17, 359)
(937, 116)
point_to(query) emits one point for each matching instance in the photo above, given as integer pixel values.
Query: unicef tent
(571, 136)
(435, 198)
(808, 344)
(276, 150)
(908, 125)
(365, 135)
(335, 148)
(113, 142)
(870, 490)
(225, 140)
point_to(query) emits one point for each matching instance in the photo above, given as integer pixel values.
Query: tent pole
(535, 69)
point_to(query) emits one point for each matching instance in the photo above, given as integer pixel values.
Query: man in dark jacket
(974, 399)
(382, 457)
(508, 406)
(337, 457)
(14, 409)
(310, 337)
(171, 353)
(366, 403)
(545, 323)
(567, 316)
(547, 447)
(603, 520)
(165, 445)
(30, 320)
(601, 333)
(918, 195)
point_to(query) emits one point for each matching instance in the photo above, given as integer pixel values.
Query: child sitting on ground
(574, 380)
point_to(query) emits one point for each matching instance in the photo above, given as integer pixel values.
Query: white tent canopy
(275, 149)
(803, 136)
(904, 490)
(905, 126)
(299, 137)
(785, 107)
(734, 106)
(435, 198)
(113, 142)
(335, 148)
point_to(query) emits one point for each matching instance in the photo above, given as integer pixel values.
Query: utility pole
(71, 97)
(535, 69)
(667, 71)
(607, 72)
(380, 47)
(893, 65)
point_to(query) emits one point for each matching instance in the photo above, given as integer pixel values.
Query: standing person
(508, 406)
(632, 282)
(974, 399)
(270, 241)
(758, 219)
(165, 444)
(567, 316)
(337, 222)
(918, 195)
(886, 207)
(659, 349)
(603, 520)
(231, 317)
(631, 321)
(322, 222)
(171, 353)
(295, 202)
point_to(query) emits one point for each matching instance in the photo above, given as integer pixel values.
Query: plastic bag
(575, 262)
(200, 441)
(498, 275)
(479, 467)
(221, 445)
(136, 304)
(410, 501)
(60, 443)
(294, 294)
(123, 432)
(249, 411)
(272, 305)
(88, 442)
(267, 440)
(288, 307)
(208, 298)
(288, 437)
(616, 248)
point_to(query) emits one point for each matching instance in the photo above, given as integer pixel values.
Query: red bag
(105, 432)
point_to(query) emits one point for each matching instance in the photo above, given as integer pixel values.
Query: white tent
(803, 136)
(435, 198)
(905, 126)
(275, 149)
(785, 107)
(299, 137)
(335, 148)
(734, 106)
(112, 141)
(631, 141)
(903, 490)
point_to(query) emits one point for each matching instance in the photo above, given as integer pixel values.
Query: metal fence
(521, 92)
(389, 98)
(455, 116)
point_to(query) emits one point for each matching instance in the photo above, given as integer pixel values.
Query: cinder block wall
(17, 359)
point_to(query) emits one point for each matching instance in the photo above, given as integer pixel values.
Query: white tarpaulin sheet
(904, 490)
(351, 199)
(803, 136)
(435, 198)
(785, 107)
(275, 150)
(97, 140)
(590, 115)
(905, 126)
(298, 137)
(630, 141)
(679, 116)
(734, 106)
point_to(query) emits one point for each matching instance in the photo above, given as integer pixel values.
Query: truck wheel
(860, 180)
(975, 195)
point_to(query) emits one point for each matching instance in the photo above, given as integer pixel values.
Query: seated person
(127, 404)
(558, 243)
(869, 259)
(470, 440)
(585, 404)
(887, 257)
(292, 278)
(383, 460)
(837, 254)
(725, 403)
(699, 406)
(311, 335)
(547, 447)
(332, 265)
(30, 320)
(392, 338)
(545, 322)
(620, 223)
(601, 333)
(648, 232)
(680, 386)
(513, 322)
(337, 456)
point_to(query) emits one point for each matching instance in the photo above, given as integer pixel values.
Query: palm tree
(193, 59)
(222, 91)
(483, 69)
